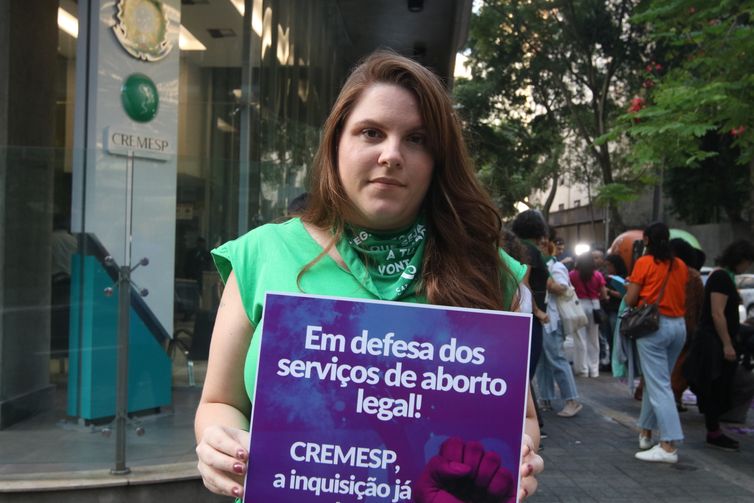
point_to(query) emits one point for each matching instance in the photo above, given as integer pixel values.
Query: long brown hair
(461, 265)
(585, 266)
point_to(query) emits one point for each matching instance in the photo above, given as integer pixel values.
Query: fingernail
(241, 454)
(238, 468)
(236, 492)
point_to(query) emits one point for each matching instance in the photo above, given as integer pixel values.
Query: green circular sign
(139, 97)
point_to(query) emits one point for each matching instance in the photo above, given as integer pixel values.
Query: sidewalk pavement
(590, 457)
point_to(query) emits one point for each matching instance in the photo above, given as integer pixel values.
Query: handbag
(571, 313)
(598, 314)
(643, 319)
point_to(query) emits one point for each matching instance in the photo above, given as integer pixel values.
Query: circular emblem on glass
(139, 97)
(142, 29)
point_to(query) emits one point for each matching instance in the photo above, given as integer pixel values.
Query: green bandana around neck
(386, 264)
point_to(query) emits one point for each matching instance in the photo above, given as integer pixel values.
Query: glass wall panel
(251, 96)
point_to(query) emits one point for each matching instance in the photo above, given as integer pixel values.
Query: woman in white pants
(590, 288)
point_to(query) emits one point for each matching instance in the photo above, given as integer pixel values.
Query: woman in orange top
(658, 351)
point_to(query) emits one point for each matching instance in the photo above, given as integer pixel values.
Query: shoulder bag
(571, 313)
(598, 314)
(643, 319)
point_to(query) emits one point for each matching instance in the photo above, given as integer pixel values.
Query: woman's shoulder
(717, 273)
(517, 268)
(643, 267)
(554, 265)
(644, 260)
(559, 271)
(241, 250)
(680, 265)
(646, 264)
(719, 278)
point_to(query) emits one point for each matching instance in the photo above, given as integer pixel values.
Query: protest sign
(353, 398)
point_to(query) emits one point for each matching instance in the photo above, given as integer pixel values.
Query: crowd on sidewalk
(392, 179)
(585, 322)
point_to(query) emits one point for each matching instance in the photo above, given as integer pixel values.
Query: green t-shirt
(269, 259)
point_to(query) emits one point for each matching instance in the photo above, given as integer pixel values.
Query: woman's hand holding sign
(223, 457)
(532, 464)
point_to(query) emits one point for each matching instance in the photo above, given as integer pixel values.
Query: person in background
(693, 258)
(598, 254)
(599, 260)
(616, 271)
(530, 227)
(712, 362)
(659, 350)
(516, 250)
(512, 245)
(743, 382)
(198, 260)
(298, 204)
(603, 322)
(615, 278)
(694, 299)
(63, 246)
(391, 174)
(562, 255)
(590, 288)
(553, 366)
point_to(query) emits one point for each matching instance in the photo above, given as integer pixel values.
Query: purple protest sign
(354, 398)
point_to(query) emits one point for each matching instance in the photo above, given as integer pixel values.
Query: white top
(524, 299)
(559, 274)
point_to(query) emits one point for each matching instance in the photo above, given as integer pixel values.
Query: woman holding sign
(394, 213)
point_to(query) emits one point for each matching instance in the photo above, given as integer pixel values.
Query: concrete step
(173, 483)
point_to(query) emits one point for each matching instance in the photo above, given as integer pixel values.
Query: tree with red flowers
(637, 104)
(703, 89)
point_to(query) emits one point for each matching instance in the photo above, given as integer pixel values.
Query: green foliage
(703, 90)
(707, 81)
(499, 150)
(698, 201)
(548, 78)
(616, 192)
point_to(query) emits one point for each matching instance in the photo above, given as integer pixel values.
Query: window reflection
(270, 128)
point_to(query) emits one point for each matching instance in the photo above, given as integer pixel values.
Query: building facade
(134, 136)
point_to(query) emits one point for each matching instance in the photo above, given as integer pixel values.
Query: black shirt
(720, 282)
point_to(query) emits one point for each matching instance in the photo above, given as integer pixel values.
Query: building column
(28, 52)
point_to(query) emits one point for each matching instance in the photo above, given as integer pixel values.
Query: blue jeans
(606, 336)
(554, 368)
(658, 352)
